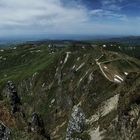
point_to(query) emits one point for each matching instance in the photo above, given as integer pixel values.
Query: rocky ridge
(70, 98)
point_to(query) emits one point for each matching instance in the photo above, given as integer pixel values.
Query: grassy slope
(22, 64)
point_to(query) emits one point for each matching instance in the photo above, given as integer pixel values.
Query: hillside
(131, 40)
(70, 93)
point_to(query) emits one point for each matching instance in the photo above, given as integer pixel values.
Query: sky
(82, 17)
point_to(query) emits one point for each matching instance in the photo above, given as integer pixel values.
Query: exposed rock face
(103, 110)
(14, 98)
(129, 111)
(4, 132)
(37, 126)
(76, 123)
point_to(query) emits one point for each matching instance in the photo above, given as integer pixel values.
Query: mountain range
(76, 92)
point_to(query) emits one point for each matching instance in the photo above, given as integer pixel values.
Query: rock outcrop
(15, 101)
(70, 96)
(76, 124)
(37, 126)
(5, 132)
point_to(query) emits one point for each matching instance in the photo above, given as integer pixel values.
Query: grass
(18, 68)
(22, 64)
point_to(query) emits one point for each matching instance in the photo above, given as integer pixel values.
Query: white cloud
(108, 14)
(112, 4)
(15, 13)
(53, 16)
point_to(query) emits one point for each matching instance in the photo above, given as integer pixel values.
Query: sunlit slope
(54, 82)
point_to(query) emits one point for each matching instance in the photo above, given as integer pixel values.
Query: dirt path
(108, 75)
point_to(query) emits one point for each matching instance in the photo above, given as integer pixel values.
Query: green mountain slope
(68, 93)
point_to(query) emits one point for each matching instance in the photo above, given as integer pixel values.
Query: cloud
(108, 14)
(41, 14)
(114, 5)
(61, 17)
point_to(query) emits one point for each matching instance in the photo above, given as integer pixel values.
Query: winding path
(112, 77)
